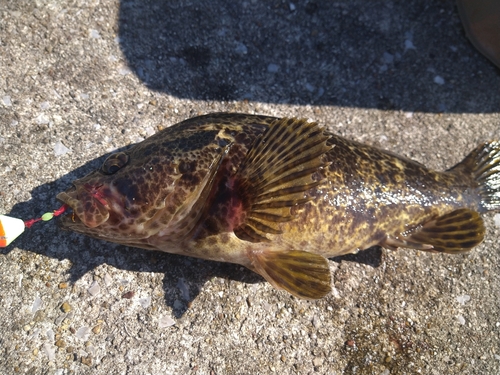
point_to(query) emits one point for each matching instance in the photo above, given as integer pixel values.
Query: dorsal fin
(280, 167)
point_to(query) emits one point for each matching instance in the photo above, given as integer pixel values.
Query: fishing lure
(12, 227)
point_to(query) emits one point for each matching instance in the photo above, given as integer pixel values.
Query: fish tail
(484, 165)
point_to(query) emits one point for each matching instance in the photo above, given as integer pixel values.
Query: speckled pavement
(79, 79)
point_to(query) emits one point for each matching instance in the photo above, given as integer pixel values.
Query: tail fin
(484, 165)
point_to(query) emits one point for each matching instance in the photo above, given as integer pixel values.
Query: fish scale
(280, 196)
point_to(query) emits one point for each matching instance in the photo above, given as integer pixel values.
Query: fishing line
(12, 227)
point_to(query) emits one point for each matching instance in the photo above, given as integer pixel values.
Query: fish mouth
(89, 207)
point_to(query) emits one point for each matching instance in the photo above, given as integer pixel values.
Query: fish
(280, 196)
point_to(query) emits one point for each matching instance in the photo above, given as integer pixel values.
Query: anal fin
(455, 232)
(304, 275)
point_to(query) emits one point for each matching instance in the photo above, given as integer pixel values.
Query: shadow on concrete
(392, 55)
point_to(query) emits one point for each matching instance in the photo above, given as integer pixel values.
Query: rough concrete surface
(79, 79)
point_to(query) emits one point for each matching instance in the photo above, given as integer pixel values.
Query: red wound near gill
(96, 193)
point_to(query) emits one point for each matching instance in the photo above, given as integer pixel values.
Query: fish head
(102, 196)
(156, 188)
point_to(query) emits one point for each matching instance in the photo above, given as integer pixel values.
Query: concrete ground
(79, 79)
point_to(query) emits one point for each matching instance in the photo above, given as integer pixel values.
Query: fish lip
(75, 198)
(69, 218)
(65, 198)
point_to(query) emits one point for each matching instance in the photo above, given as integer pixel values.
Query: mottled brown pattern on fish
(164, 170)
(279, 195)
(369, 193)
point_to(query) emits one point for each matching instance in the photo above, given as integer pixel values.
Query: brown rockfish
(280, 196)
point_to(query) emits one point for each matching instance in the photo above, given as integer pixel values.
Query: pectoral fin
(280, 167)
(456, 232)
(303, 274)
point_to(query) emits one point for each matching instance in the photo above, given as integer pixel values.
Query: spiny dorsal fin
(281, 165)
(455, 232)
(305, 275)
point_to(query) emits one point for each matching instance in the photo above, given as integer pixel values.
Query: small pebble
(463, 298)
(145, 302)
(273, 68)
(165, 321)
(128, 295)
(42, 120)
(97, 329)
(60, 149)
(409, 45)
(60, 343)
(50, 351)
(94, 34)
(496, 219)
(241, 49)
(50, 335)
(310, 87)
(107, 280)
(63, 285)
(37, 305)
(87, 360)
(149, 131)
(94, 289)
(317, 361)
(66, 307)
(387, 58)
(83, 333)
(6, 101)
(124, 71)
(439, 80)
(181, 284)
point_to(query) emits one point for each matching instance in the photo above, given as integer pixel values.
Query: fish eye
(114, 162)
